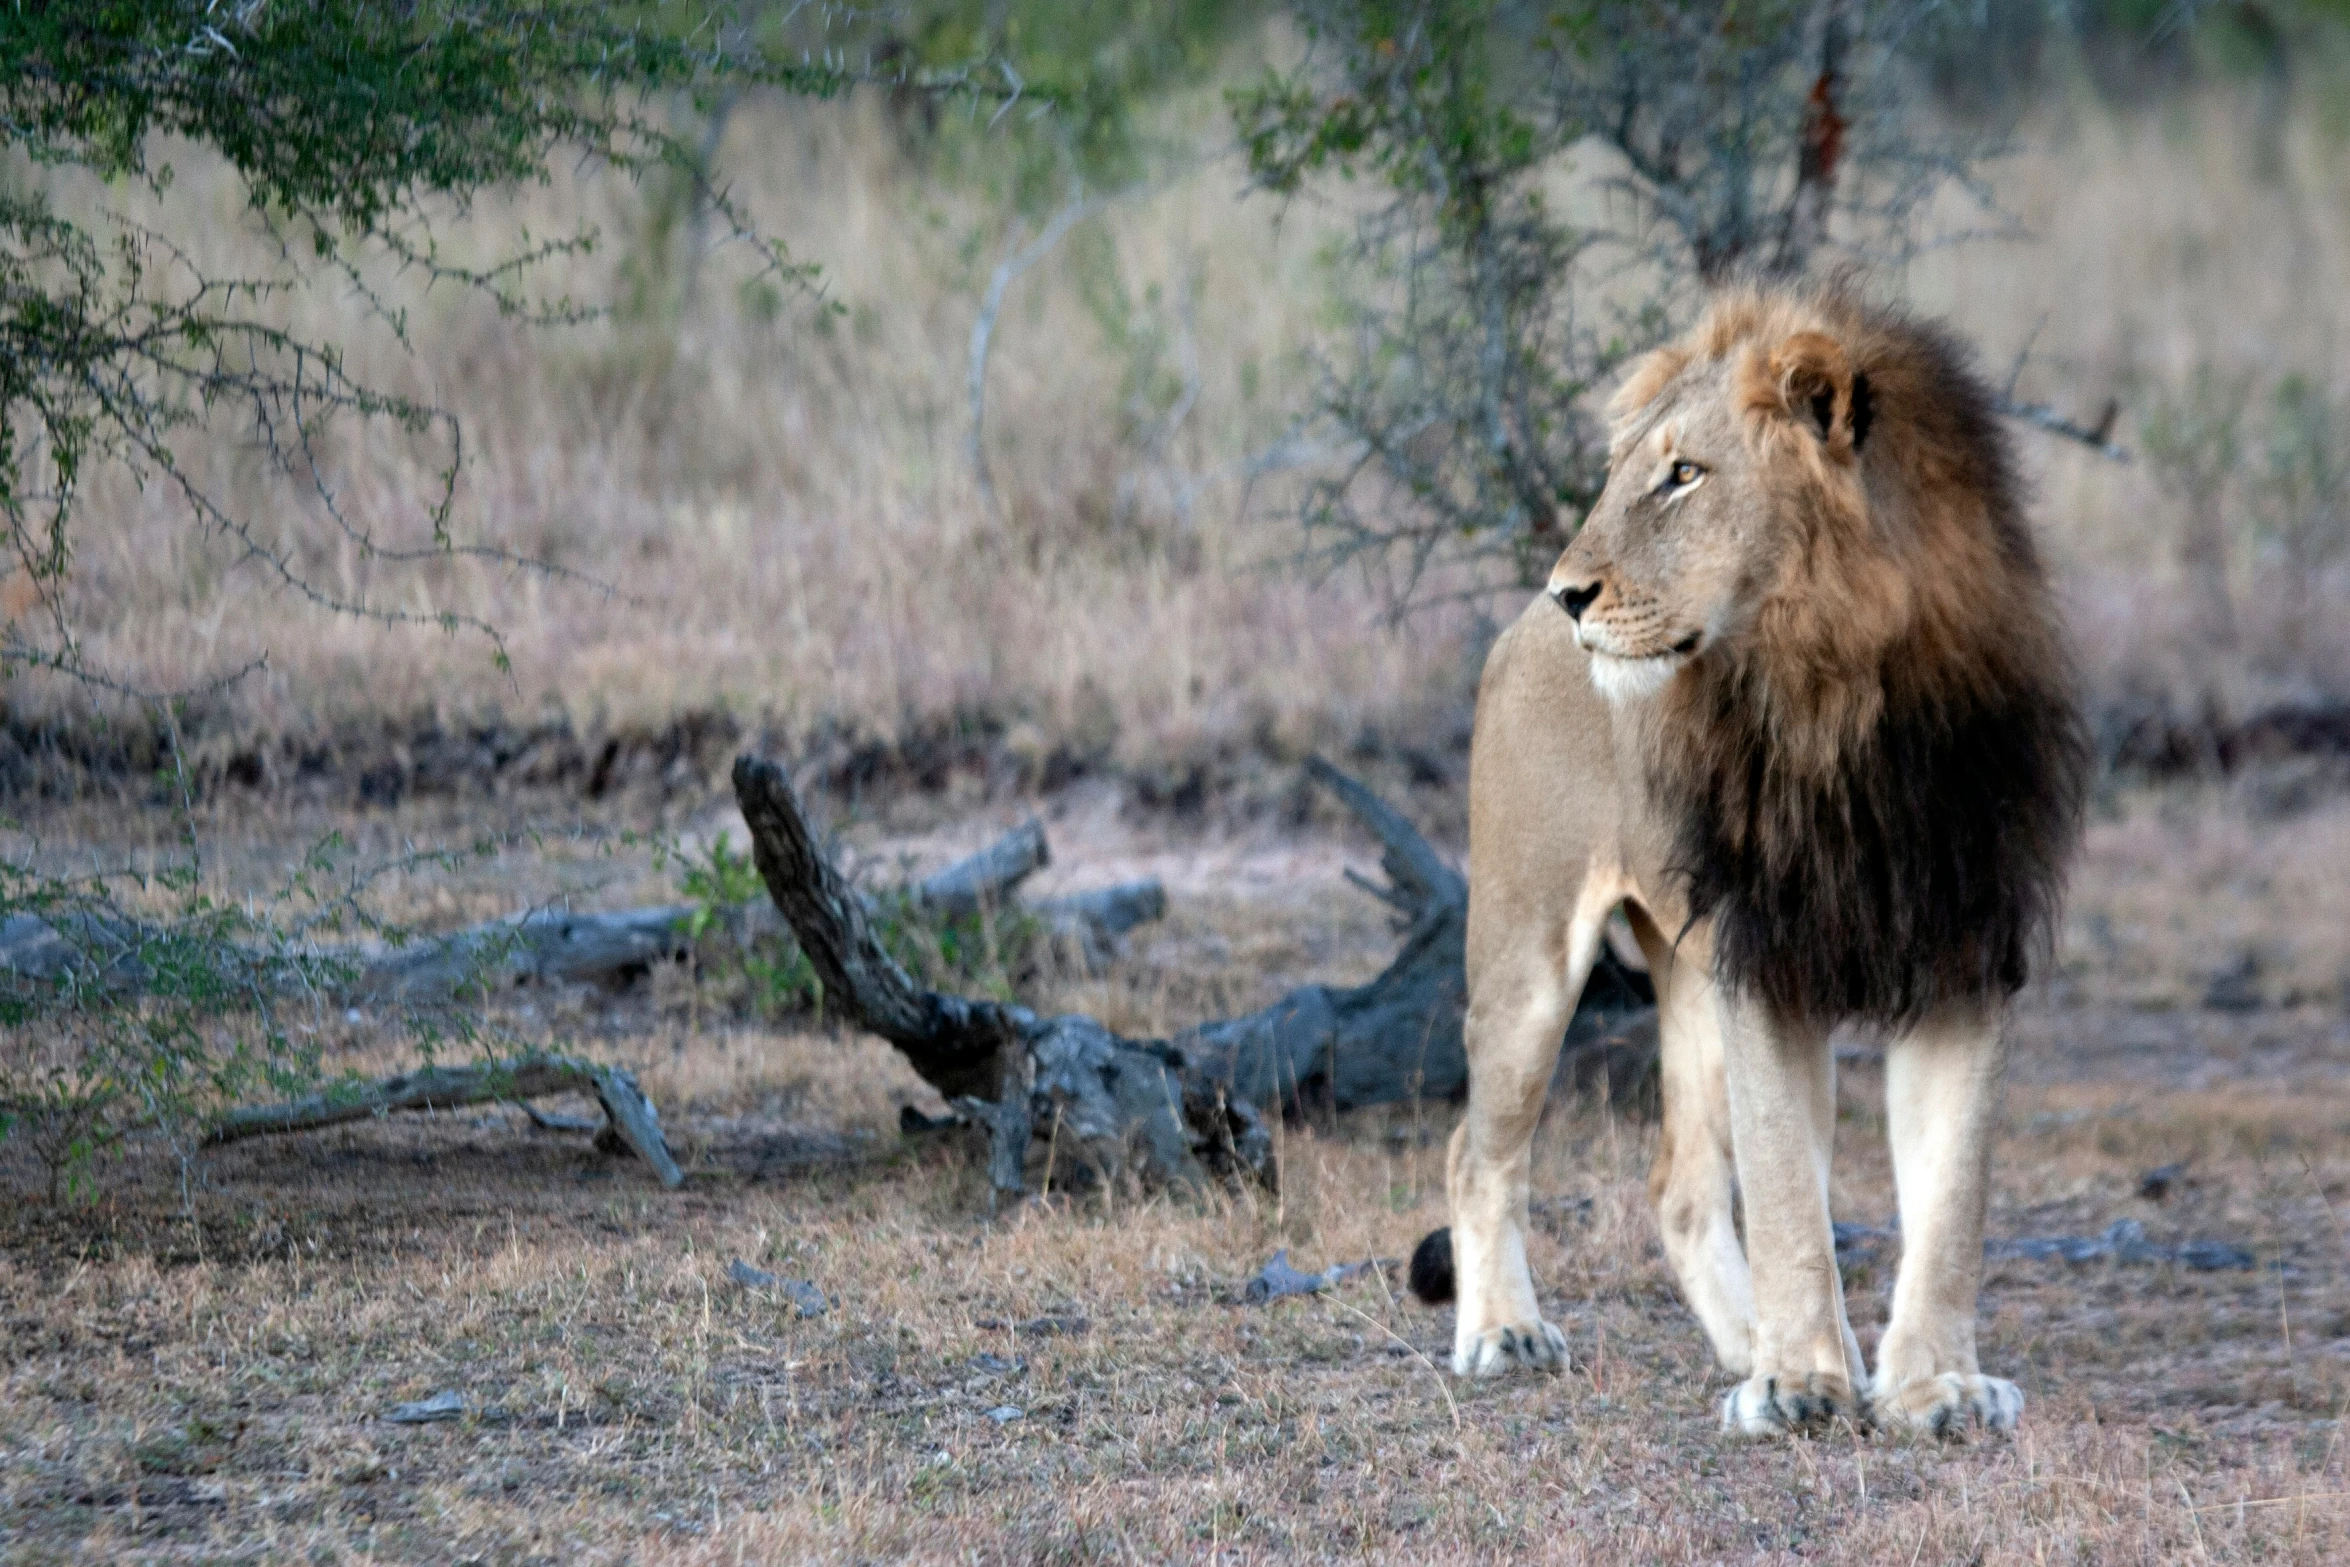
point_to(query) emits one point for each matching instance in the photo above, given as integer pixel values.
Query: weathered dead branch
(628, 1114)
(2098, 437)
(1119, 1103)
(544, 946)
(550, 946)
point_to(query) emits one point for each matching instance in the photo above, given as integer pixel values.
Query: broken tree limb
(99, 948)
(628, 1113)
(1176, 1107)
(986, 880)
(541, 947)
(563, 946)
(952, 1042)
(1119, 1103)
(1093, 925)
(2098, 437)
(1397, 1037)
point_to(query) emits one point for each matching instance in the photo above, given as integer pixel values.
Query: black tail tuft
(1431, 1272)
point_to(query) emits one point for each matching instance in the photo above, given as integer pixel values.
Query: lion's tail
(1430, 1276)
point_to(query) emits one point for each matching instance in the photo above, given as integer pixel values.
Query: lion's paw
(1784, 1406)
(1533, 1345)
(1947, 1405)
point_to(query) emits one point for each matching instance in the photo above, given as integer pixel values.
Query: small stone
(2216, 1257)
(1005, 1414)
(444, 1405)
(806, 1297)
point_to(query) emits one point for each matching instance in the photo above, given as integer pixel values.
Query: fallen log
(1091, 927)
(544, 946)
(1167, 1108)
(562, 946)
(985, 881)
(1396, 1038)
(553, 946)
(628, 1114)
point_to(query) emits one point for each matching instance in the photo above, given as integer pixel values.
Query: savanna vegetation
(438, 438)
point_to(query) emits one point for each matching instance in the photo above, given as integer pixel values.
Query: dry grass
(200, 1372)
(204, 1377)
(787, 509)
(790, 512)
(2181, 887)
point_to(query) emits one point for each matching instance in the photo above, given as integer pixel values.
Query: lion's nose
(1576, 600)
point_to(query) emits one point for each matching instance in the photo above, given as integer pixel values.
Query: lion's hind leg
(1941, 1098)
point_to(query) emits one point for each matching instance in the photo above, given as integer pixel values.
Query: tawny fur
(1802, 708)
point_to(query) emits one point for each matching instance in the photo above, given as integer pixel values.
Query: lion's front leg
(1513, 1032)
(1693, 1183)
(1942, 1095)
(1807, 1365)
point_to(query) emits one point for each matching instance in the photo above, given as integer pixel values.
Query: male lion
(1796, 702)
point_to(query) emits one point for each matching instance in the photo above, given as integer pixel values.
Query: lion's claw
(1536, 1345)
(1950, 1404)
(1781, 1406)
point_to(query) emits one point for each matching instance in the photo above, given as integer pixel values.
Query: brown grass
(203, 1376)
(790, 512)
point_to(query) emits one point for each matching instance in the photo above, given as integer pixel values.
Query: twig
(2098, 437)
(1441, 1384)
(2272, 1501)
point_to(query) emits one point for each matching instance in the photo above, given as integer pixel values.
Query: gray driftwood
(544, 946)
(1169, 1107)
(561, 946)
(565, 946)
(629, 1115)
(1398, 1037)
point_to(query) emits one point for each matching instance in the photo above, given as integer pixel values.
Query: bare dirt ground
(200, 1360)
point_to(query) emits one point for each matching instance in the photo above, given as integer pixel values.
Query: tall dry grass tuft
(784, 509)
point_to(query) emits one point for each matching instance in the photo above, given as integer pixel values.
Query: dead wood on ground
(1168, 1109)
(104, 951)
(629, 1115)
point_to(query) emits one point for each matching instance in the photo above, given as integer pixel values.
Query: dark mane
(1922, 862)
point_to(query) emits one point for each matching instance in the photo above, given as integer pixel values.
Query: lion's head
(1809, 584)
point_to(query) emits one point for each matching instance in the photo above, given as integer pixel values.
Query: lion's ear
(1816, 387)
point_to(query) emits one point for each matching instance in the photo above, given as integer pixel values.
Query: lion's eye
(1684, 474)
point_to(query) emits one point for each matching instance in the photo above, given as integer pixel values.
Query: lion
(1796, 701)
